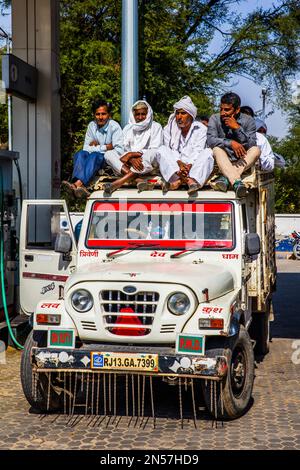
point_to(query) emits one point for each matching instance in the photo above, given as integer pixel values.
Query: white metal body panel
(43, 272)
(229, 275)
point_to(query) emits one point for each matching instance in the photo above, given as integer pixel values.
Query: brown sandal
(175, 185)
(68, 187)
(193, 188)
(145, 186)
(81, 192)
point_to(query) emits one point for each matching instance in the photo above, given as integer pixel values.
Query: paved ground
(273, 422)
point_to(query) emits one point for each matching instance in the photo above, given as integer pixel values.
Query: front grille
(140, 306)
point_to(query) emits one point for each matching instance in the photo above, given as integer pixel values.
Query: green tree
(176, 55)
(90, 66)
(287, 181)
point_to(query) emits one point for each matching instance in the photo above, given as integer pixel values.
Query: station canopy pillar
(36, 126)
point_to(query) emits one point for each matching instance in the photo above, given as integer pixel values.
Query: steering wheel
(141, 234)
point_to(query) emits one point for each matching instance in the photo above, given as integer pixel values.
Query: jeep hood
(197, 277)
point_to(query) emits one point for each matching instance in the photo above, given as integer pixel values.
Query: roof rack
(251, 178)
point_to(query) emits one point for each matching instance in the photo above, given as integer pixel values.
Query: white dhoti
(202, 166)
(112, 159)
(148, 158)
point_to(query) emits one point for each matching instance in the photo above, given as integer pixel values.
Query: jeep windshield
(172, 225)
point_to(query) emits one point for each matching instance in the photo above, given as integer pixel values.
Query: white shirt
(190, 146)
(111, 133)
(155, 138)
(267, 155)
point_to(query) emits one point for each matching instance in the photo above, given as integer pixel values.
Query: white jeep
(158, 286)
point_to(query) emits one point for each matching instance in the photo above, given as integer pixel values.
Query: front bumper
(169, 363)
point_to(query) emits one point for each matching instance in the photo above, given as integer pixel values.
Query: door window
(44, 222)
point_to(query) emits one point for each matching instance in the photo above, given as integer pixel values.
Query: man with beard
(232, 136)
(184, 158)
(142, 137)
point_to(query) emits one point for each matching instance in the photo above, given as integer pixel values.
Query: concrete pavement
(273, 422)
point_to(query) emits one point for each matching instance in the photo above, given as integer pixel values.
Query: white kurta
(267, 157)
(148, 153)
(190, 149)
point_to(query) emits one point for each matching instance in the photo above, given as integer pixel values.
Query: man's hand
(184, 169)
(94, 143)
(127, 157)
(137, 163)
(109, 147)
(238, 149)
(231, 123)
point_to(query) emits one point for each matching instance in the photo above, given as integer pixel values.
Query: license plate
(123, 361)
(61, 339)
(190, 344)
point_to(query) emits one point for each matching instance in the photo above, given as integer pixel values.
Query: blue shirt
(111, 133)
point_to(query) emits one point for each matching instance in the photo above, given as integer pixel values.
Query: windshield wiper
(131, 246)
(188, 251)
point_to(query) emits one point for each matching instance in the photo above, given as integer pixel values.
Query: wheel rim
(238, 371)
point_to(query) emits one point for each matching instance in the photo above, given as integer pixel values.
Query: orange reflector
(46, 319)
(124, 320)
(217, 323)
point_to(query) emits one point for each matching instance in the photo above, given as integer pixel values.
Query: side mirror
(63, 243)
(252, 244)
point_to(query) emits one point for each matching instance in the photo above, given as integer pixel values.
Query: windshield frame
(160, 247)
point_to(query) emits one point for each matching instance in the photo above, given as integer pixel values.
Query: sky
(249, 92)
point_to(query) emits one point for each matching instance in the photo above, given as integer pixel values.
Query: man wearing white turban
(142, 138)
(183, 158)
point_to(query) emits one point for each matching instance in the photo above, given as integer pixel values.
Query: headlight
(82, 300)
(179, 303)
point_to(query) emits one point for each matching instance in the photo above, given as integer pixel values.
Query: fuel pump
(8, 245)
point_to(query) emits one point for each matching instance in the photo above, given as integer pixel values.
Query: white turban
(188, 106)
(138, 134)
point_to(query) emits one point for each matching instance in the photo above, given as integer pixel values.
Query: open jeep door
(43, 271)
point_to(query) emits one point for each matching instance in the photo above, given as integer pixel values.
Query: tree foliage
(186, 47)
(176, 54)
(287, 181)
(4, 6)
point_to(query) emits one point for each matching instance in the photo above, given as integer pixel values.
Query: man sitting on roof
(183, 158)
(266, 155)
(232, 136)
(142, 137)
(103, 136)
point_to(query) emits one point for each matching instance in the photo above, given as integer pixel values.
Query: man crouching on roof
(142, 137)
(183, 158)
(232, 136)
